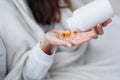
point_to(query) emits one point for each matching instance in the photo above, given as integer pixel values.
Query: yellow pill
(66, 34)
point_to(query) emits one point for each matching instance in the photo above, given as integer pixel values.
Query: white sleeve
(37, 64)
(33, 65)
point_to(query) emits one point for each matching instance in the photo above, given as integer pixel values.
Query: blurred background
(116, 6)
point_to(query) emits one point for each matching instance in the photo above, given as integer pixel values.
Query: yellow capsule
(66, 34)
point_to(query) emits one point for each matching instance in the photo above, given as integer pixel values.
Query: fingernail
(68, 45)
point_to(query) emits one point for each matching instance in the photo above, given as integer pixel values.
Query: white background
(116, 6)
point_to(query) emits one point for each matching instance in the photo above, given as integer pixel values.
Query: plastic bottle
(88, 16)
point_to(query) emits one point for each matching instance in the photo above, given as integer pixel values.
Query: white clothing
(22, 59)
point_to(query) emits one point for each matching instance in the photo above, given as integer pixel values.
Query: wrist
(46, 46)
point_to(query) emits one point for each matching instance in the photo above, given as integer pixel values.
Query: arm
(37, 64)
(43, 61)
(33, 65)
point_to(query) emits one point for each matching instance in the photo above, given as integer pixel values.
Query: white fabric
(20, 37)
(19, 42)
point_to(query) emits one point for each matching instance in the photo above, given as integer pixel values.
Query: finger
(57, 31)
(106, 22)
(80, 41)
(99, 29)
(84, 34)
(77, 31)
(59, 42)
(96, 32)
(54, 39)
(83, 38)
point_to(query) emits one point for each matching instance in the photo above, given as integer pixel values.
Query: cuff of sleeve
(38, 55)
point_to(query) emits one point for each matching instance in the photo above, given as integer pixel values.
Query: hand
(99, 27)
(52, 38)
(81, 37)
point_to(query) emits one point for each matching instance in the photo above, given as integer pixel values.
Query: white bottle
(90, 15)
